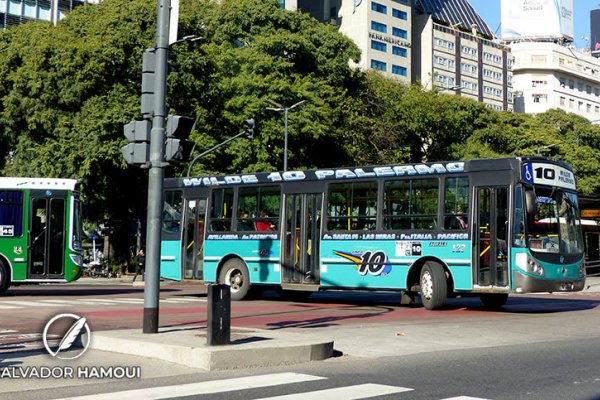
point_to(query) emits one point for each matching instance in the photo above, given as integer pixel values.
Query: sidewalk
(187, 346)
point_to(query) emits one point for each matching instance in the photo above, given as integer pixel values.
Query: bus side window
(456, 201)
(221, 210)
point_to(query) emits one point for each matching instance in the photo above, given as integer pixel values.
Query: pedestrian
(140, 265)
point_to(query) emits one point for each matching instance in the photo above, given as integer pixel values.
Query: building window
(378, 45)
(380, 8)
(539, 98)
(380, 65)
(562, 101)
(30, 10)
(398, 70)
(379, 27)
(400, 33)
(399, 51)
(281, 3)
(400, 14)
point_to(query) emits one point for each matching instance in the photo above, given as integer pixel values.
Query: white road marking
(191, 389)
(347, 393)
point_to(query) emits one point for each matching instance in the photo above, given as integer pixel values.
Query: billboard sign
(537, 19)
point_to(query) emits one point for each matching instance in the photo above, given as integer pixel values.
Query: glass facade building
(16, 12)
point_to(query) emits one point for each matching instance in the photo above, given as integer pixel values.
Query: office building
(439, 43)
(456, 52)
(549, 75)
(15, 12)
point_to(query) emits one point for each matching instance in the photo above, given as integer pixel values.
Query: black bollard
(219, 315)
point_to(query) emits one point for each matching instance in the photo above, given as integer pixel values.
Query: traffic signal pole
(156, 172)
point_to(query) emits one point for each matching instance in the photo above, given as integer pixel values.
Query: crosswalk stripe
(347, 393)
(14, 304)
(21, 303)
(5, 307)
(191, 389)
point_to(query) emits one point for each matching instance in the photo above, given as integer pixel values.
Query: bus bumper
(529, 284)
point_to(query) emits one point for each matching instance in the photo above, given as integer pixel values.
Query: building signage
(389, 39)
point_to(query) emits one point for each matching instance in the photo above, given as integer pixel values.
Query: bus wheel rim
(427, 285)
(235, 279)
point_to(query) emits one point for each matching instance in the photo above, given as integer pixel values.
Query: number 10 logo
(374, 263)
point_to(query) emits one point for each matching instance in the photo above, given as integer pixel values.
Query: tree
(554, 133)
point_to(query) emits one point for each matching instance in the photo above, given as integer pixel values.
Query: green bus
(40, 231)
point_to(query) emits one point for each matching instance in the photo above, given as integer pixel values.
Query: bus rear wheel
(434, 286)
(235, 274)
(494, 300)
(4, 278)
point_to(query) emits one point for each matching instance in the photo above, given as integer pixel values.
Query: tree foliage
(65, 92)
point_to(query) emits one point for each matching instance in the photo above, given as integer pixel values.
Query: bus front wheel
(4, 278)
(235, 274)
(434, 287)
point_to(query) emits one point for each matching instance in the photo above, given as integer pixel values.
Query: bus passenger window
(352, 206)
(220, 210)
(456, 201)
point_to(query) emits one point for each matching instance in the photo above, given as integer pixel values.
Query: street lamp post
(286, 110)
(248, 126)
(539, 149)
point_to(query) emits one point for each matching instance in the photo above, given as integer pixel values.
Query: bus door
(302, 232)
(46, 243)
(193, 238)
(491, 228)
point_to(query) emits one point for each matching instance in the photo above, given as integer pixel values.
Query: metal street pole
(286, 111)
(285, 145)
(156, 172)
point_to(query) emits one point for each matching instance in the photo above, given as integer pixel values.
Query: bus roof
(38, 183)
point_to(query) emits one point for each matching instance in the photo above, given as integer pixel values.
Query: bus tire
(4, 278)
(235, 274)
(434, 286)
(494, 300)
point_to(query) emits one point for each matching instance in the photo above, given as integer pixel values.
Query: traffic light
(137, 151)
(248, 126)
(148, 82)
(177, 147)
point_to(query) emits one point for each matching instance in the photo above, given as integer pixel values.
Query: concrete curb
(187, 346)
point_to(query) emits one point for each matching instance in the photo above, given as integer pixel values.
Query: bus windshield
(555, 228)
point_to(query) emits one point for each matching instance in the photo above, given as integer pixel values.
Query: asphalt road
(538, 347)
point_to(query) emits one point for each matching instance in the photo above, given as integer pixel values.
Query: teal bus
(487, 227)
(40, 231)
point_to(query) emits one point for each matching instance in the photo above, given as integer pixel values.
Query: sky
(489, 10)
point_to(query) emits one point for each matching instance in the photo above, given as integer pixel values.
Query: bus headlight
(526, 263)
(77, 259)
